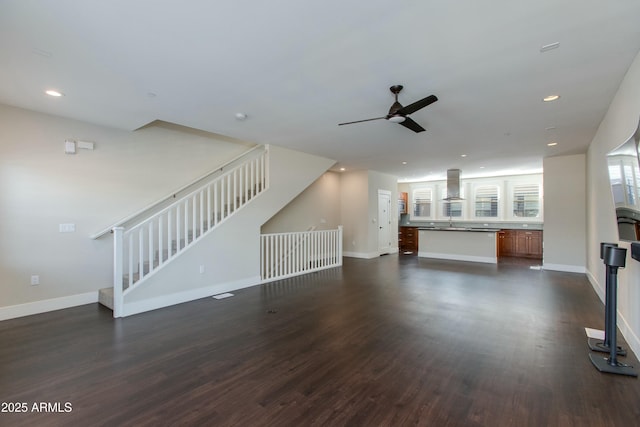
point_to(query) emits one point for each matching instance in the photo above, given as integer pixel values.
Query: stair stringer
(229, 254)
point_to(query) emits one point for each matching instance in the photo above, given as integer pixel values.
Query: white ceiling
(298, 68)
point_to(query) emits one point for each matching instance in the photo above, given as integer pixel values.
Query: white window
(422, 203)
(526, 201)
(625, 182)
(615, 176)
(486, 201)
(630, 184)
(451, 209)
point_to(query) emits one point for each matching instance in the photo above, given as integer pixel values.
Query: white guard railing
(140, 251)
(285, 255)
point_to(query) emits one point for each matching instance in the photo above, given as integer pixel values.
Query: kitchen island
(461, 244)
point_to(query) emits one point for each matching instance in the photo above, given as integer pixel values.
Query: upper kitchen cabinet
(403, 201)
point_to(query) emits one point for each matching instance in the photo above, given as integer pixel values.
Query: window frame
(432, 205)
(442, 205)
(511, 205)
(478, 188)
(505, 186)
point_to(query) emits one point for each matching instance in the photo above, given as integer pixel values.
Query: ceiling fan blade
(360, 121)
(412, 108)
(410, 124)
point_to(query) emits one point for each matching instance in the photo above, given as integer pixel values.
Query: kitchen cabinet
(408, 239)
(506, 246)
(529, 245)
(520, 243)
(462, 244)
(403, 200)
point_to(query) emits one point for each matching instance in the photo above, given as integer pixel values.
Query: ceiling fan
(398, 113)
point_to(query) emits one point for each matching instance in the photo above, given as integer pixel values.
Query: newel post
(118, 254)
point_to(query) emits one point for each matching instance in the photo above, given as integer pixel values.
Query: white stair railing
(285, 255)
(140, 251)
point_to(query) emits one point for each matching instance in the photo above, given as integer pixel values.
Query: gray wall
(565, 213)
(354, 214)
(619, 123)
(359, 213)
(349, 199)
(318, 206)
(41, 187)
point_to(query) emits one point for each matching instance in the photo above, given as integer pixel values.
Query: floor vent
(223, 296)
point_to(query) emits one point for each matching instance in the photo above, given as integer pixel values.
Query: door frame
(380, 235)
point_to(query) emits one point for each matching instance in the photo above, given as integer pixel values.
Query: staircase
(143, 249)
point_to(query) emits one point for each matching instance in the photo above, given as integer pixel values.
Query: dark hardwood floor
(394, 341)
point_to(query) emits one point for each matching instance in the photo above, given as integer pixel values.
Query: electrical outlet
(201, 269)
(35, 280)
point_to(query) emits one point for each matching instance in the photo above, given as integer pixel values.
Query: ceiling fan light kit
(397, 119)
(398, 113)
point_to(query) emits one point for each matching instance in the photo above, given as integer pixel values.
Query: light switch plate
(70, 147)
(67, 228)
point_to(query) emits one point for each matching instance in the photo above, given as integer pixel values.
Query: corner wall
(564, 213)
(619, 123)
(318, 206)
(359, 213)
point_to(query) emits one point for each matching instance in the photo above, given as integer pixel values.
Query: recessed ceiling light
(52, 92)
(241, 116)
(342, 169)
(463, 155)
(41, 52)
(552, 144)
(550, 98)
(481, 167)
(404, 163)
(550, 128)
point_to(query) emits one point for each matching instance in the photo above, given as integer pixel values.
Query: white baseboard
(364, 255)
(43, 306)
(137, 307)
(471, 258)
(564, 267)
(628, 334)
(596, 286)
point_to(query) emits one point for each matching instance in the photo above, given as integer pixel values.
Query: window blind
(453, 208)
(526, 201)
(486, 201)
(422, 202)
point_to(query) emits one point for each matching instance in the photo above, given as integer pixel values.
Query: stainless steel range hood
(453, 185)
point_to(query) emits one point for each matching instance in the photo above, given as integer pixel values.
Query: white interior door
(384, 221)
